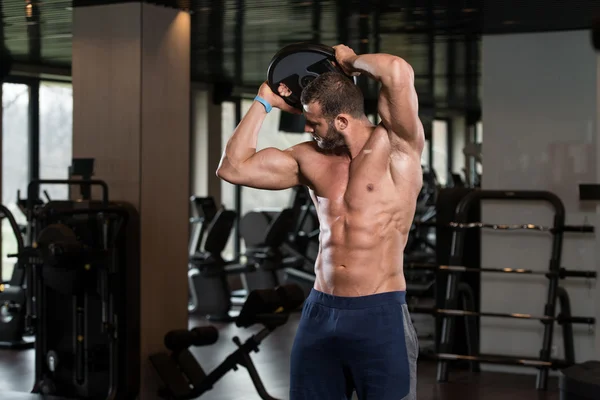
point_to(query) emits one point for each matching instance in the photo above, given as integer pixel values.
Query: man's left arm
(398, 104)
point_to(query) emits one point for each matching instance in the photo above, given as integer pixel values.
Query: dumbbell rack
(555, 293)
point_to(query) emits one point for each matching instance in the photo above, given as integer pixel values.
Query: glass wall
(15, 163)
(56, 135)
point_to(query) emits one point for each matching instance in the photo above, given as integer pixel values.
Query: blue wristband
(268, 107)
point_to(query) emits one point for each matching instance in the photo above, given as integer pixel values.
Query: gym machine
(83, 269)
(457, 285)
(204, 210)
(263, 233)
(264, 248)
(582, 381)
(183, 377)
(420, 246)
(457, 270)
(207, 275)
(303, 241)
(13, 298)
(16, 328)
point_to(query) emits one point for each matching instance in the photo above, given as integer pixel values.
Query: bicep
(269, 169)
(398, 105)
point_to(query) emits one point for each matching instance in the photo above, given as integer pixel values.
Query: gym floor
(16, 372)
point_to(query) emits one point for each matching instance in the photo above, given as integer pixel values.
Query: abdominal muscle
(360, 254)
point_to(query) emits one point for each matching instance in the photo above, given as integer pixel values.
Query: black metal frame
(34, 132)
(205, 382)
(184, 378)
(555, 293)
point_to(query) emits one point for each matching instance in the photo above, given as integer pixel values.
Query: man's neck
(356, 140)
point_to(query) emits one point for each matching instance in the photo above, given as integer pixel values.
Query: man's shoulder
(305, 154)
(304, 149)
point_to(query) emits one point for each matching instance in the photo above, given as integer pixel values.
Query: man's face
(322, 130)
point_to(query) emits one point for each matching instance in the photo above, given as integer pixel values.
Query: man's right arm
(270, 168)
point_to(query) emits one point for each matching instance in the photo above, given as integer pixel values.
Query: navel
(370, 187)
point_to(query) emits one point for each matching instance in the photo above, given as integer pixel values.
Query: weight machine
(82, 266)
(183, 377)
(456, 270)
(14, 324)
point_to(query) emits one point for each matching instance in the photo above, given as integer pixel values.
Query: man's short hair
(336, 94)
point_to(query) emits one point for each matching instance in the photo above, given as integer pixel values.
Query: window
(227, 189)
(440, 150)
(227, 128)
(479, 141)
(479, 132)
(15, 163)
(56, 135)
(425, 155)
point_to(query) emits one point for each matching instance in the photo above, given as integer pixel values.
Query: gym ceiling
(233, 40)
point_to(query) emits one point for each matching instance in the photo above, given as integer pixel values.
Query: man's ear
(341, 122)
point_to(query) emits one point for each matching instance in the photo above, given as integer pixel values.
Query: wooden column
(131, 94)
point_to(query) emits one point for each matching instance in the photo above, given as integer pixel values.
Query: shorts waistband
(356, 303)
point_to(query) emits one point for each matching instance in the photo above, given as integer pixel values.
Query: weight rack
(449, 312)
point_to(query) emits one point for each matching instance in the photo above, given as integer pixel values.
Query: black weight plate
(296, 65)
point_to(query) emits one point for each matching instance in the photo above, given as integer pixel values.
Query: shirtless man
(355, 332)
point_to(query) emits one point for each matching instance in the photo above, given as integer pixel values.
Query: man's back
(365, 207)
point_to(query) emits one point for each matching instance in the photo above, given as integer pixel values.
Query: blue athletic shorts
(365, 344)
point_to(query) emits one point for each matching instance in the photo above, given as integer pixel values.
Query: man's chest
(340, 180)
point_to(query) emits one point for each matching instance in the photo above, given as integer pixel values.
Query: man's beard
(334, 139)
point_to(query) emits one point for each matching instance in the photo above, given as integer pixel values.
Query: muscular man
(355, 332)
